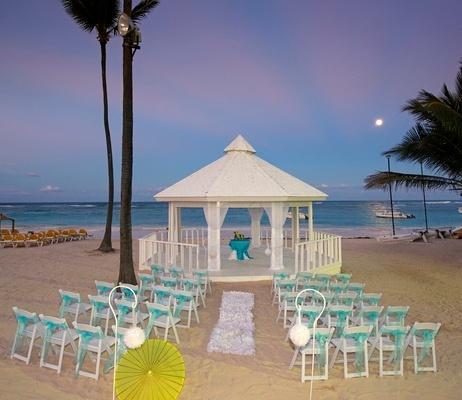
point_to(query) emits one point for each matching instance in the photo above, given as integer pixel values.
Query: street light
(126, 26)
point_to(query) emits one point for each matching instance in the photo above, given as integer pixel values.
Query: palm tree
(126, 270)
(435, 141)
(100, 15)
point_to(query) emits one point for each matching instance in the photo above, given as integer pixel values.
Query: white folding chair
(100, 310)
(91, 340)
(29, 326)
(353, 340)
(72, 304)
(160, 316)
(422, 337)
(184, 301)
(57, 334)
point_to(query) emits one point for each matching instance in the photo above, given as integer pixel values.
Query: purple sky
(303, 81)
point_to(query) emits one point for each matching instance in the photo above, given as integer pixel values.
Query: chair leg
(303, 366)
(195, 313)
(434, 355)
(345, 363)
(380, 361)
(366, 360)
(334, 357)
(61, 354)
(15, 340)
(176, 334)
(294, 357)
(31, 345)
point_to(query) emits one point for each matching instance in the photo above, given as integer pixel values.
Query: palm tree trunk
(106, 243)
(126, 271)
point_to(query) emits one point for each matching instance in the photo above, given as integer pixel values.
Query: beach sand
(427, 277)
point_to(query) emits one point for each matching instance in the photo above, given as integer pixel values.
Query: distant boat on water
(396, 214)
(460, 210)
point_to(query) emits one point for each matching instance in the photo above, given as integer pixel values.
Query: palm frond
(143, 8)
(93, 14)
(383, 180)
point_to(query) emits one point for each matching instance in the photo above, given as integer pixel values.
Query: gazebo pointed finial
(240, 144)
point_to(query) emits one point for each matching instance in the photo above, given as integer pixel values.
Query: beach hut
(4, 217)
(240, 179)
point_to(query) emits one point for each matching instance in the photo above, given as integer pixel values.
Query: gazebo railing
(167, 254)
(323, 251)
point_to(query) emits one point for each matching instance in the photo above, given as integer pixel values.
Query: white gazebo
(240, 179)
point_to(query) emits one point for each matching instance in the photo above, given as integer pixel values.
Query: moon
(379, 122)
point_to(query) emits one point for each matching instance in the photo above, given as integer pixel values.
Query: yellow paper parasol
(153, 371)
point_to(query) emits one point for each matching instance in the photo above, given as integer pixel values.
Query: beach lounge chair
(184, 301)
(83, 234)
(29, 327)
(323, 337)
(353, 340)
(128, 314)
(103, 288)
(73, 234)
(422, 337)
(19, 240)
(91, 340)
(394, 315)
(56, 334)
(71, 304)
(33, 240)
(100, 310)
(6, 240)
(390, 339)
(160, 316)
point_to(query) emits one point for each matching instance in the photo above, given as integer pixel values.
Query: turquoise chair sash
(341, 321)
(98, 306)
(344, 278)
(400, 315)
(121, 349)
(189, 284)
(162, 295)
(281, 275)
(103, 290)
(123, 312)
(154, 313)
(359, 338)
(399, 334)
(51, 328)
(311, 315)
(66, 301)
(370, 318)
(181, 300)
(23, 322)
(320, 345)
(85, 338)
(427, 336)
(176, 272)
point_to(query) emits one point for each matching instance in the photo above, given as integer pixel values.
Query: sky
(302, 80)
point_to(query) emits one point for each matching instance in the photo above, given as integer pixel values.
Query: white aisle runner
(233, 334)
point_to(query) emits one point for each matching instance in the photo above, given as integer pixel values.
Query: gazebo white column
(255, 223)
(215, 215)
(277, 215)
(174, 223)
(295, 226)
(310, 221)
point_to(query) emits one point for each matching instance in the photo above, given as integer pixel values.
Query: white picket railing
(324, 250)
(286, 234)
(194, 236)
(161, 252)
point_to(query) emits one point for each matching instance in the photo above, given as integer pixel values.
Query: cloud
(50, 189)
(33, 175)
(324, 185)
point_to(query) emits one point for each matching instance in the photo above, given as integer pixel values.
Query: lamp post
(131, 39)
(424, 198)
(391, 199)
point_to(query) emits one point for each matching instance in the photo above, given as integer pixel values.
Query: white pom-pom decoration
(134, 338)
(268, 251)
(300, 335)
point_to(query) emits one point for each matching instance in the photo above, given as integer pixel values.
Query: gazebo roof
(240, 176)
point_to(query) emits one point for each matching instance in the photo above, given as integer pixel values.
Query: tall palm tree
(435, 141)
(100, 15)
(126, 270)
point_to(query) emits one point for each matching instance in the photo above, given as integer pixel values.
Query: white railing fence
(194, 236)
(184, 255)
(324, 250)
(286, 234)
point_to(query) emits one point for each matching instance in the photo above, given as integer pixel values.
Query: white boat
(460, 210)
(396, 214)
(301, 215)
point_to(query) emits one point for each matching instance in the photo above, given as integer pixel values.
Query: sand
(427, 277)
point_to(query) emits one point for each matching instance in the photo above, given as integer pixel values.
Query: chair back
(371, 299)
(103, 288)
(395, 315)
(176, 272)
(343, 278)
(156, 311)
(356, 287)
(67, 299)
(127, 294)
(162, 295)
(337, 287)
(169, 282)
(369, 315)
(24, 319)
(323, 278)
(181, 298)
(311, 313)
(98, 305)
(346, 298)
(124, 307)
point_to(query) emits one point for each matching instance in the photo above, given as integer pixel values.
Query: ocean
(347, 218)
